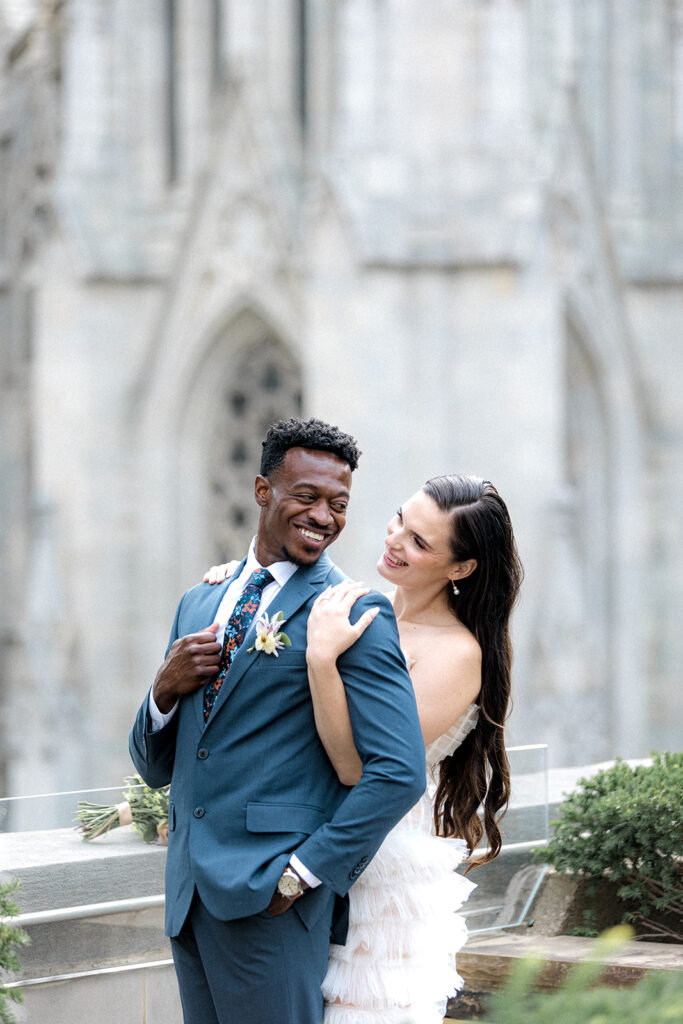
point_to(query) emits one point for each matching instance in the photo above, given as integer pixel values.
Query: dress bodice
(448, 742)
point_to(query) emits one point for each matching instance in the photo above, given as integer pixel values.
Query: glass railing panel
(506, 887)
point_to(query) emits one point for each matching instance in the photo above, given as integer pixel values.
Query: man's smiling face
(303, 506)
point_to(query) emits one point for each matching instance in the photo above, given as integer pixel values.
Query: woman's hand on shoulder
(330, 632)
(218, 573)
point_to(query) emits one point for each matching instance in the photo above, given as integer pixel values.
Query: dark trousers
(255, 970)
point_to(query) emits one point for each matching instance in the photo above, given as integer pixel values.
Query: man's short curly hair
(314, 434)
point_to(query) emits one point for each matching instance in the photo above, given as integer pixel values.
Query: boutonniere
(269, 637)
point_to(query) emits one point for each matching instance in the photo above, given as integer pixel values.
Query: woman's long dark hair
(478, 774)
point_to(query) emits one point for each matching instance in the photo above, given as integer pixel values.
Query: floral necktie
(235, 631)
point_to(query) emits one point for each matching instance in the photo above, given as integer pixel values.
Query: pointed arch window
(264, 386)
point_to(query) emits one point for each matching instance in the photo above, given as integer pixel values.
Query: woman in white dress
(451, 555)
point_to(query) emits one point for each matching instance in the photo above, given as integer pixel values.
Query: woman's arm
(329, 634)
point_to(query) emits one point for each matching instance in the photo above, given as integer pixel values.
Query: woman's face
(417, 551)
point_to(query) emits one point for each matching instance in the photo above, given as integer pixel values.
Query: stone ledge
(486, 959)
(58, 869)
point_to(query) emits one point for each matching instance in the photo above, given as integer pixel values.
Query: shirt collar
(280, 571)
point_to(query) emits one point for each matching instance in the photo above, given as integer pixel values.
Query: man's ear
(262, 491)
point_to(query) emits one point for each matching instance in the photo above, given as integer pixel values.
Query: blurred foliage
(656, 999)
(10, 938)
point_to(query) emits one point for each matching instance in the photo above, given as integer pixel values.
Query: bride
(451, 556)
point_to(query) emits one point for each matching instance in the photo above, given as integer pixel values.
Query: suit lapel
(296, 592)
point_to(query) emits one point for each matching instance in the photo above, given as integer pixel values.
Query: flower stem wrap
(146, 809)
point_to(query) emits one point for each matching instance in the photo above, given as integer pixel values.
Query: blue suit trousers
(252, 970)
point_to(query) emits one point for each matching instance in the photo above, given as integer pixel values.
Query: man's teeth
(311, 535)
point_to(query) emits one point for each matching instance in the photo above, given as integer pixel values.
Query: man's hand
(191, 661)
(278, 904)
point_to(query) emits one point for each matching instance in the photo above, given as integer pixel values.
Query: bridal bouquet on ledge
(144, 808)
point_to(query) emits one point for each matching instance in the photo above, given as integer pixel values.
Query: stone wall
(456, 233)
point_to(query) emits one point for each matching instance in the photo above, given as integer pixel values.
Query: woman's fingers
(344, 591)
(340, 599)
(330, 631)
(352, 594)
(218, 573)
(365, 620)
(330, 614)
(215, 574)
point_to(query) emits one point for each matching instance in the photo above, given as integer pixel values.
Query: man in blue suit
(264, 840)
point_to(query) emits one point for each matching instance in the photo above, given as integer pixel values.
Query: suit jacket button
(202, 753)
(199, 812)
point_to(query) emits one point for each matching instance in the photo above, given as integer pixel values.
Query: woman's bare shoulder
(446, 678)
(447, 658)
(455, 643)
(463, 645)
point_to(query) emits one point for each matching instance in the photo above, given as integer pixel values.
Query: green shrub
(655, 999)
(626, 824)
(10, 938)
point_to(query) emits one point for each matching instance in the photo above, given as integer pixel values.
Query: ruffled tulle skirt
(398, 964)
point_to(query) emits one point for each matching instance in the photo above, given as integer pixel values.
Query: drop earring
(456, 591)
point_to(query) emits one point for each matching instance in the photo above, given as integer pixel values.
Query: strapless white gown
(398, 964)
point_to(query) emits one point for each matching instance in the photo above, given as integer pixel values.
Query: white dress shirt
(281, 573)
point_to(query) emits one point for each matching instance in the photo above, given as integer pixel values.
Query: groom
(264, 841)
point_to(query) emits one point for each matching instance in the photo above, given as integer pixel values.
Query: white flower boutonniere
(269, 637)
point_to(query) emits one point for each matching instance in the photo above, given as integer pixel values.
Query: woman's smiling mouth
(395, 563)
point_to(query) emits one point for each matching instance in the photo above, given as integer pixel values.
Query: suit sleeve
(153, 753)
(388, 738)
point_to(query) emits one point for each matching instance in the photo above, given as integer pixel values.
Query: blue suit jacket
(255, 784)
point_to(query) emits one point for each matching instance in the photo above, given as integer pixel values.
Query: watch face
(289, 886)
